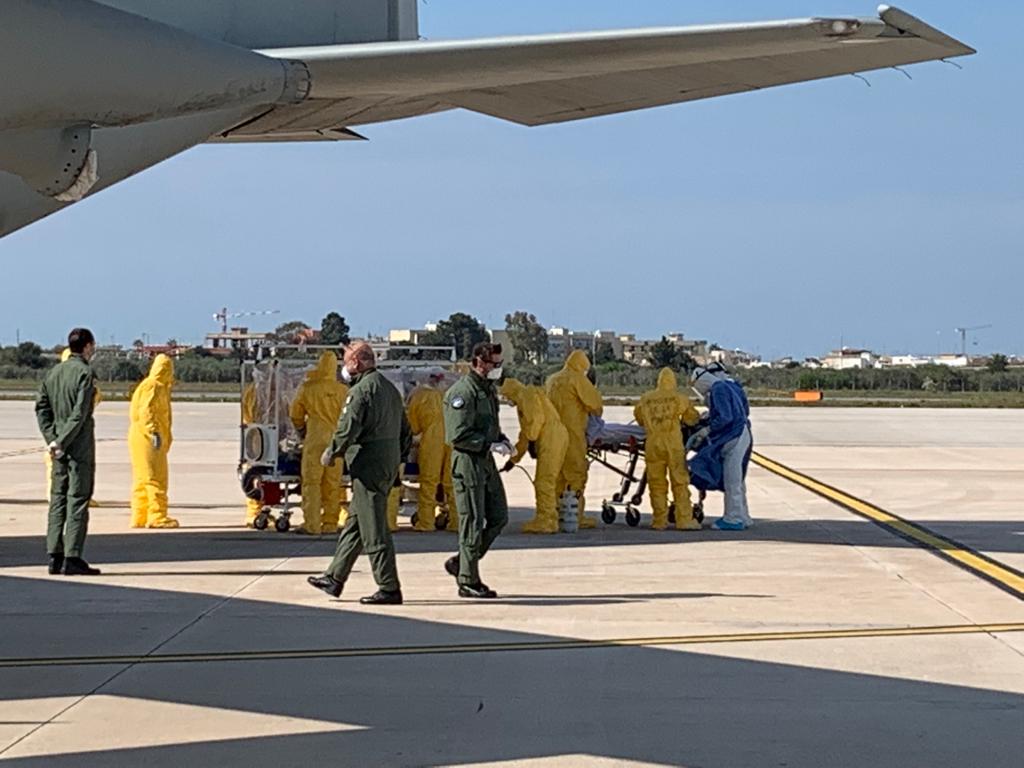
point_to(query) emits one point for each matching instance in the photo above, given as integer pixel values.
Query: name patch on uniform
(458, 403)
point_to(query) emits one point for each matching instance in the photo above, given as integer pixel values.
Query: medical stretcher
(608, 442)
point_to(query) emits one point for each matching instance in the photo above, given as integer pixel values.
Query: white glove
(504, 448)
(55, 450)
(326, 458)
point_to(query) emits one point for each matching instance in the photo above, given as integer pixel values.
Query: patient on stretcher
(602, 434)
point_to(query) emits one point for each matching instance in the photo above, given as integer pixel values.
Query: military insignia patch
(458, 403)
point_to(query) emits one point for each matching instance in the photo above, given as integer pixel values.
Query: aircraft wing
(539, 80)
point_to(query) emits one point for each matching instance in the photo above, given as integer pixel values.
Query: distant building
(906, 361)
(502, 337)
(734, 358)
(406, 335)
(233, 340)
(952, 361)
(847, 359)
(562, 341)
(635, 351)
(638, 351)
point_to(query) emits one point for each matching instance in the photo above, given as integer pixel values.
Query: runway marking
(541, 645)
(1005, 577)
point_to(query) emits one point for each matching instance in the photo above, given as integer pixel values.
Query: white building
(909, 361)
(846, 359)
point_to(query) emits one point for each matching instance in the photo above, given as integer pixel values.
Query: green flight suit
(471, 427)
(64, 411)
(374, 436)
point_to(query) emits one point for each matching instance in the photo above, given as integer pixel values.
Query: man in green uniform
(471, 427)
(64, 412)
(373, 435)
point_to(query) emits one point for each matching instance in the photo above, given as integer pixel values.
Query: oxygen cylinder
(568, 513)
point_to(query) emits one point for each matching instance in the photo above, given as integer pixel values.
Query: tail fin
(280, 24)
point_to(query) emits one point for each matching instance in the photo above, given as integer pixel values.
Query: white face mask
(495, 373)
(345, 375)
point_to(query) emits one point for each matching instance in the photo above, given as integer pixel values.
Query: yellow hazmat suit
(316, 408)
(149, 440)
(395, 504)
(426, 418)
(249, 416)
(97, 398)
(539, 425)
(575, 399)
(662, 412)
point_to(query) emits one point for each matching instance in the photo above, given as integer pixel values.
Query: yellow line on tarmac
(552, 645)
(1003, 576)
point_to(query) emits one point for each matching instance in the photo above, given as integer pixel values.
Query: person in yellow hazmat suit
(426, 418)
(149, 440)
(542, 434)
(662, 413)
(314, 413)
(395, 501)
(576, 400)
(97, 398)
(249, 416)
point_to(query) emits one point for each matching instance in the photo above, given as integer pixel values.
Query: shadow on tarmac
(214, 544)
(622, 704)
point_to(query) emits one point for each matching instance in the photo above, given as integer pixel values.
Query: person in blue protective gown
(724, 455)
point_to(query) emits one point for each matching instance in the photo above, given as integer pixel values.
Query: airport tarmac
(817, 638)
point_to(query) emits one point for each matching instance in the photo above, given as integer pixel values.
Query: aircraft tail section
(284, 23)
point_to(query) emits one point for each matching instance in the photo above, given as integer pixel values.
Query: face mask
(495, 374)
(345, 375)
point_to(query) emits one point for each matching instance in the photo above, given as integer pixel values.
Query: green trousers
(483, 510)
(366, 530)
(70, 490)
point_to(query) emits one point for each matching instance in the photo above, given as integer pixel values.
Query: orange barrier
(809, 396)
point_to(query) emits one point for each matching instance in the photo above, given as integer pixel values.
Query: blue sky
(781, 221)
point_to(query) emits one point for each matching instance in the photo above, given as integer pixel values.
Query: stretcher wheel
(617, 498)
(282, 524)
(608, 514)
(261, 521)
(637, 500)
(441, 521)
(698, 513)
(672, 513)
(632, 517)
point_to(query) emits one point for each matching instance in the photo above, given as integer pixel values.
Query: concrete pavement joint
(1005, 577)
(553, 645)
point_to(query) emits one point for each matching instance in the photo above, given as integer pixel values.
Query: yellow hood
(667, 380)
(326, 368)
(513, 389)
(162, 370)
(578, 361)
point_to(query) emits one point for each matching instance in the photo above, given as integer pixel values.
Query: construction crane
(222, 317)
(963, 335)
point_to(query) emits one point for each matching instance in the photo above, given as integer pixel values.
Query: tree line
(528, 361)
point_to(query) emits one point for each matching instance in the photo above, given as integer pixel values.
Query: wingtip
(909, 24)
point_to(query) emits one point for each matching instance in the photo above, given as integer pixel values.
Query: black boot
(451, 566)
(76, 566)
(56, 564)
(326, 584)
(477, 592)
(383, 598)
